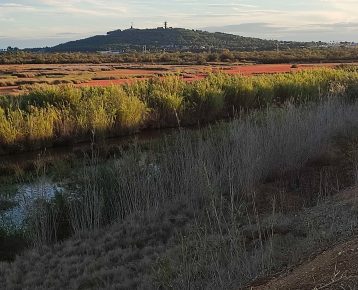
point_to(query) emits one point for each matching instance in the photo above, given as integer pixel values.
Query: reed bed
(55, 115)
(183, 214)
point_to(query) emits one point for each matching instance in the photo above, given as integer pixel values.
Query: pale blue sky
(35, 23)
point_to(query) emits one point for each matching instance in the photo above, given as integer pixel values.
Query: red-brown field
(15, 79)
(237, 69)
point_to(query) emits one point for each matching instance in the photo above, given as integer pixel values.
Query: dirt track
(335, 268)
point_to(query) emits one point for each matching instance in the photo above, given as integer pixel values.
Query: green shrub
(240, 93)
(8, 132)
(132, 113)
(56, 113)
(40, 124)
(165, 98)
(205, 102)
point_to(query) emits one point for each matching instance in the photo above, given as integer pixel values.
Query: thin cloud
(310, 32)
(44, 19)
(223, 5)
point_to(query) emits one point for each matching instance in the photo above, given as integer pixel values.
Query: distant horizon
(40, 23)
(56, 41)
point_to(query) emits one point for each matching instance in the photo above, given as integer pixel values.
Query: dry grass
(169, 249)
(186, 215)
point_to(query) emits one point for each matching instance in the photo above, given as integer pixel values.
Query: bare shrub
(42, 223)
(230, 159)
(41, 217)
(355, 165)
(85, 207)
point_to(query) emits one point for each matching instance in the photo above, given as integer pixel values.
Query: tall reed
(53, 114)
(228, 160)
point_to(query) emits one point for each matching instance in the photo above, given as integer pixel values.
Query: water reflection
(22, 201)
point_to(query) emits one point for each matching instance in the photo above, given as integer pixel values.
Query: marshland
(250, 180)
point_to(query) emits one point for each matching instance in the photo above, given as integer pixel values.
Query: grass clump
(8, 132)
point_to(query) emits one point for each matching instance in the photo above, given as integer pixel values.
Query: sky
(38, 23)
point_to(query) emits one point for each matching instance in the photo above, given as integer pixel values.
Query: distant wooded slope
(171, 39)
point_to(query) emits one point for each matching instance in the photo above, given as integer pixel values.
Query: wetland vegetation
(57, 115)
(248, 195)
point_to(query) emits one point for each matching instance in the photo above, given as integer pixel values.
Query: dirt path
(335, 268)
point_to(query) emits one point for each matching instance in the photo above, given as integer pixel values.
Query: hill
(171, 39)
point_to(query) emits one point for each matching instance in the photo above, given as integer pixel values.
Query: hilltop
(171, 39)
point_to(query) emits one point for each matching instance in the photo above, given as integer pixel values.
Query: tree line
(343, 54)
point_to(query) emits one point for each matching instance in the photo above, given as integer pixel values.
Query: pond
(17, 201)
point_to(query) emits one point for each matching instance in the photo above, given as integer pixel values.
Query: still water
(21, 199)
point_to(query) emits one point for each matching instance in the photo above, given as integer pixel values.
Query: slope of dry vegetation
(335, 268)
(212, 209)
(54, 115)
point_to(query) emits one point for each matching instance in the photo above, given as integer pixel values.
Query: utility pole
(165, 25)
